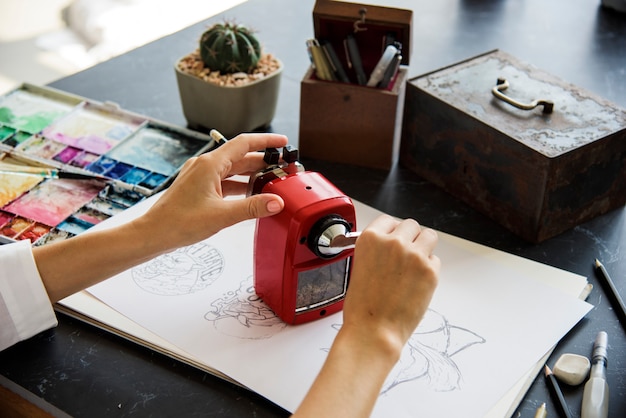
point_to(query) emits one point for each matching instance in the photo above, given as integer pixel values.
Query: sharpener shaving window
(323, 285)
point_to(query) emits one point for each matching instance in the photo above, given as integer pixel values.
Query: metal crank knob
(330, 236)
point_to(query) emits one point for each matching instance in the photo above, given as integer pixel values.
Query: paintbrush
(218, 138)
(46, 172)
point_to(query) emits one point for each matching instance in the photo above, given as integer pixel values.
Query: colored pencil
(557, 395)
(542, 412)
(611, 293)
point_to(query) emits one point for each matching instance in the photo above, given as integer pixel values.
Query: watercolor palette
(136, 155)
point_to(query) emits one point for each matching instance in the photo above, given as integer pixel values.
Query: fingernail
(273, 206)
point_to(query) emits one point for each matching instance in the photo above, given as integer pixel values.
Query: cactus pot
(229, 109)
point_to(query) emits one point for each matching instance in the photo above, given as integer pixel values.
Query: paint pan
(38, 146)
(13, 186)
(102, 165)
(34, 232)
(93, 127)
(135, 175)
(74, 226)
(118, 170)
(67, 154)
(51, 201)
(120, 196)
(30, 108)
(18, 138)
(106, 207)
(14, 226)
(83, 159)
(4, 218)
(6, 132)
(52, 236)
(90, 215)
(158, 149)
(154, 181)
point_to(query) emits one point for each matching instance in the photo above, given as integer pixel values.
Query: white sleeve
(25, 308)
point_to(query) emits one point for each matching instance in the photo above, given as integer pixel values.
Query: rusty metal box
(346, 122)
(483, 130)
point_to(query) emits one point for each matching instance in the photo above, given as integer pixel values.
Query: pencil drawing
(427, 356)
(241, 313)
(181, 272)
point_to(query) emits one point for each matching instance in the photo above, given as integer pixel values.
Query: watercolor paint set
(120, 156)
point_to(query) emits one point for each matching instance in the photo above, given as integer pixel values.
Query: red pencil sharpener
(303, 255)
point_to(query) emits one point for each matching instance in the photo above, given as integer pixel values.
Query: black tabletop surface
(88, 372)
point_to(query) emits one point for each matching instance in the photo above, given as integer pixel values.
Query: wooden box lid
(334, 20)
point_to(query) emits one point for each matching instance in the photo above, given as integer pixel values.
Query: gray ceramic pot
(230, 110)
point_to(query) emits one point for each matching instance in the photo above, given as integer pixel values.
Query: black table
(88, 372)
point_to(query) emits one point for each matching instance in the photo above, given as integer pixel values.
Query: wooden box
(347, 122)
(536, 173)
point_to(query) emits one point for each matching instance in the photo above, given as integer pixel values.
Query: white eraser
(572, 369)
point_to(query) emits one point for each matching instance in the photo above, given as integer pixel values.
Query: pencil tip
(547, 370)
(598, 263)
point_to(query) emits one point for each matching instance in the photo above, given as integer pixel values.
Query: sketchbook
(442, 368)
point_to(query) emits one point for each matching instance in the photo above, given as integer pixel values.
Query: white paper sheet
(489, 324)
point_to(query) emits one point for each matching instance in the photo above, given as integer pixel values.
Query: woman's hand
(193, 208)
(393, 279)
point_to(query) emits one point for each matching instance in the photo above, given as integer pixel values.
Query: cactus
(229, 48)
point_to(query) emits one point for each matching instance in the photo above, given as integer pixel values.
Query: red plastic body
(281, 253)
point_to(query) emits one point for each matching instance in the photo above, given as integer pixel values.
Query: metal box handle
(503, 84)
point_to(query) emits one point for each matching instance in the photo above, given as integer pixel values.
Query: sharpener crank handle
(344, 242)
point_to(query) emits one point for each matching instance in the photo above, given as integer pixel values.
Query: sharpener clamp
(275, 170)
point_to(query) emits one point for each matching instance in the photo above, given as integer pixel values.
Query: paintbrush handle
(24, 169)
